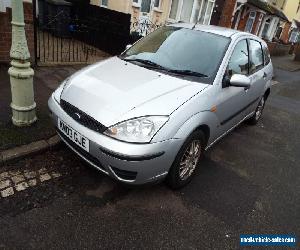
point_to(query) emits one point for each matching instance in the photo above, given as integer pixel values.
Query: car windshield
(180, 51)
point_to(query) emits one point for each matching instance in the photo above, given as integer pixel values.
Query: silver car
(150, 113)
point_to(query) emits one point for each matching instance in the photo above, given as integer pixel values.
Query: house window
(206, 11)
(146, 6)
(186, 10)
(174, 9)
(156, 3)
(266, 28)
(104, 3)
(250, 22)
(192, 10)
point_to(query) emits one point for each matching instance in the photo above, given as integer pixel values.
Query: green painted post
(21, 74)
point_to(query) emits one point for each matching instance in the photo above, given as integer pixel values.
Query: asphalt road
(247, 183)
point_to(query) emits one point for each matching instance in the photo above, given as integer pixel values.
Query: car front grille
(82, 118)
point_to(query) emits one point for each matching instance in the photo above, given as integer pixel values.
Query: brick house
(5, 29)
(258, 17)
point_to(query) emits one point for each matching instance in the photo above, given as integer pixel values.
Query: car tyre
(253, 120)
(187, 160)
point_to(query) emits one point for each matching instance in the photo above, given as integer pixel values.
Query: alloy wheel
(190, 160)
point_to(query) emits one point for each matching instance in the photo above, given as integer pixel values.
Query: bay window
(192, 11)
(250, 21)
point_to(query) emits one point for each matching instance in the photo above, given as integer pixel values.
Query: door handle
(265, 75)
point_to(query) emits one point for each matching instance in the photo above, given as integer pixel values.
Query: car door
(257, 74)
(231, 101)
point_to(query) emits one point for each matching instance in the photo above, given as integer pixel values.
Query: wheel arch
(205, 121)
(206, 130)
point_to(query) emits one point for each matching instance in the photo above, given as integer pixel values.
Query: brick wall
(5, 32)
(285, 32)
(227, 13)
(243, 21)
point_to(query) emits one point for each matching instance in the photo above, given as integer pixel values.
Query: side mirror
(238, 80)
(128, 46)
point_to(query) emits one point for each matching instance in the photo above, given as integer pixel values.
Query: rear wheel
(186, 161)
(253, 120)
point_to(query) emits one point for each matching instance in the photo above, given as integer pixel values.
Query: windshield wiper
(187, 72)
(146, 62)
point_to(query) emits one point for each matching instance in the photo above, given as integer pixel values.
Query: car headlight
(139, 130)
(59, 90)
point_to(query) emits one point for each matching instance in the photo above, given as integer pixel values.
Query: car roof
(210, 28)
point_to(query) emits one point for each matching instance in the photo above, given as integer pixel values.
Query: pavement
(247, 183)
(286, 63)
(46, 80)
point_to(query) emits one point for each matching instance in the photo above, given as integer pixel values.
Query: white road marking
(12, 182)
(273, 82)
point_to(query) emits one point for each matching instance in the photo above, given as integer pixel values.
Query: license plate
(73, 135)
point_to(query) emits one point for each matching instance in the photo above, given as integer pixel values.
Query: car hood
(114, 90)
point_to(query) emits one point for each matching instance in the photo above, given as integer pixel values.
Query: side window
(267, 56)
(256, 56)
(239, 61)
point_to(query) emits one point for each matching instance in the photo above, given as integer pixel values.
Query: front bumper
(126, 162)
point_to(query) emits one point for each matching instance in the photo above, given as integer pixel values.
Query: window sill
(172, 21)
(136, 5)
(157, 10)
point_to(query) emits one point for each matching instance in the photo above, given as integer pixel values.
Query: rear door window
(256, 56)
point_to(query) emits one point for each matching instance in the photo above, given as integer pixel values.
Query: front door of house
(145, 23)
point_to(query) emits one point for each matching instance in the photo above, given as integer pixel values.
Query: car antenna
(195, 25)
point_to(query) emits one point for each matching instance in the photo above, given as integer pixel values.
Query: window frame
(250, 18)
(266, 49)
(250, 56)
(159, 4)
(138, 3)
(103, 5)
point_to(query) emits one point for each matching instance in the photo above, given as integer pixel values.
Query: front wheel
(186, 161)
(253, 120)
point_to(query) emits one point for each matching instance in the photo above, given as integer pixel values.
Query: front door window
(239, 60)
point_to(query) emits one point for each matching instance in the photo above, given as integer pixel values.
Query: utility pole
(21, 74)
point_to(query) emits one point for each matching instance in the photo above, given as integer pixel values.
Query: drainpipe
(21, 74)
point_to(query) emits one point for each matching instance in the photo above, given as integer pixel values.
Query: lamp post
(21, 74)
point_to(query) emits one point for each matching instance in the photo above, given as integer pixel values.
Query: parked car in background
(150, 113)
